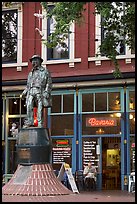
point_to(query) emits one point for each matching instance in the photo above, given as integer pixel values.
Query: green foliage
(119, 22)
(64, 13)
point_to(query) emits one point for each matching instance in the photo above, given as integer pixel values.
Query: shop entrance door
(111, 165)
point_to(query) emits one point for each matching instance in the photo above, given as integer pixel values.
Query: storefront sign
(60, 143)
(89, 151)
(61, 149)
(99, 122)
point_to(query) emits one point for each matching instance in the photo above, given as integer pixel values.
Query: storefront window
(56, 104)
(61, 152)
(132, 100)
(68, 103)
(114, 101)
(108, 101)
(14, 106)
(62, 125)
(23, 107)
(87, 102)
(96, 124)
(132, 123)
(101, 102)
(62, 103)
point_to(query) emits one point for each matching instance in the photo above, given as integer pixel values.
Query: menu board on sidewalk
(89, 151)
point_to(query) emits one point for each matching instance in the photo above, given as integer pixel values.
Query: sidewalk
(93, 196)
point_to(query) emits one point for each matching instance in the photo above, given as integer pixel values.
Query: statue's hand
(22, 96)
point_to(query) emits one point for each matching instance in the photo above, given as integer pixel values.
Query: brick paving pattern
(93, 196)
(35, 180)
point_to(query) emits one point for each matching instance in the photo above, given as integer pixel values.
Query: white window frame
(71, 59)
(127, 56)
(19, 63)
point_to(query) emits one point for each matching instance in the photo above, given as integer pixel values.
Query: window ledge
(98, 60)
(14, 64)
(70, 61)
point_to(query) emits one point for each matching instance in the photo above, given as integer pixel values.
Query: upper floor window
(60, 51)
(121, 45)
(110, 27)
(119, 35)
(9, 36)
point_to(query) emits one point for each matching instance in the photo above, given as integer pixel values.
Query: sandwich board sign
(65, 168)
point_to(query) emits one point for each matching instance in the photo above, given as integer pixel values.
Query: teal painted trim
(62, 136)
(74, 155)
(128, 111)
(128, 145)
(80, 142)
(127, 98)
(79, 102)
(122, 101)
(122, 182)
(100, 90)
(122, 154)
(113, 135)
(61, 92)
(70, 113)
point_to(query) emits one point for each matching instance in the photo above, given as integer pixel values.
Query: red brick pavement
(93, 196)
(34, 180)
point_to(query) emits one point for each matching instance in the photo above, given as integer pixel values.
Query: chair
(79, 178)
(90, 183)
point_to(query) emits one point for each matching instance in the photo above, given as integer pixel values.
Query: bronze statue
(38, 91)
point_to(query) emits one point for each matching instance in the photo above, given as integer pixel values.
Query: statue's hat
(36, 56)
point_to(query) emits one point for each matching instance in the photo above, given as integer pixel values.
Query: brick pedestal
(34, 174)
(35, 179)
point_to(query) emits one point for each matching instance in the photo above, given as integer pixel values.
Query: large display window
(62, 114)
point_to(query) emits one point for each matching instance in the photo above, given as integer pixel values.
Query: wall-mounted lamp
(15, 102)
(100, 131)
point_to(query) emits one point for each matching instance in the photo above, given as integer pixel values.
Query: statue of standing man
(38, 91)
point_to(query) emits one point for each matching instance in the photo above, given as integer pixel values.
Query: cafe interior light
(131, 117)
(118, 115)
(100, 131)
(131, 105)
(117, 101)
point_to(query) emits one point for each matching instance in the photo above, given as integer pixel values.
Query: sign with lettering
(100, 122)
(89, 152)
(24, 153)
(61, 149)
